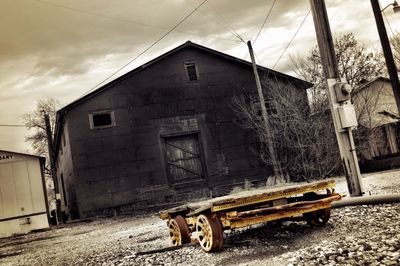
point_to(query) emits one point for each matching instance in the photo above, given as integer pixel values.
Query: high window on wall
(269, 105)
(191, 71)
(102, 119)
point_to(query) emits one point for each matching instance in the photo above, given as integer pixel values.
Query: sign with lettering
(6, 156)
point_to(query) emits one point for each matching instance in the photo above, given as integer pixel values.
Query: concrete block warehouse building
(160, 134)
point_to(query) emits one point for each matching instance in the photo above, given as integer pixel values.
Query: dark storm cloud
(49, 48)
(33, 27)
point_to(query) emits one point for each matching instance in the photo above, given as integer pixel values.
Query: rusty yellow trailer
(205, 221)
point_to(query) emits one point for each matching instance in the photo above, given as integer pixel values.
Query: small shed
(377, 113)
(379, 125)
(23, 199)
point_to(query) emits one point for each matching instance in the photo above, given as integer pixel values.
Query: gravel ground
(358, 235)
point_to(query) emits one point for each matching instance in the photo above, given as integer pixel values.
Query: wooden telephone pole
(342, 110)
(275, 163)
(52, 166)
(387, 52)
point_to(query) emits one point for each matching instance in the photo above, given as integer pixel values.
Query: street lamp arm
(394, 4)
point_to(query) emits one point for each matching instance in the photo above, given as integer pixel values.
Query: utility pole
(275, 163)
(52, 166)
(387, 52)
(342, 110)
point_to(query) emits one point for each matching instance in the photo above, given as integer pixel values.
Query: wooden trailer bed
(205, 221)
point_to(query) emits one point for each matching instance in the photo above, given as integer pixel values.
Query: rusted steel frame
(191, 222)
(167, 214)
(255, 199)
(242, 222)
(283, 207)
(164, 215)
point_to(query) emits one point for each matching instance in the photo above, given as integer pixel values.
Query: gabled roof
(300, 82)
(367, 84)
(390, 114)
(62, 111)
(381, 113)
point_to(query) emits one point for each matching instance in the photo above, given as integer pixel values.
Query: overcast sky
(63, 48)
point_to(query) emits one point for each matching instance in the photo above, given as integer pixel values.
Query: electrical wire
(262, 26)
(226, 23)
(116, 19)
(265, 20)
(219, 23)
(291, 40)
(387, 21)
(148, 48)
(5, 125)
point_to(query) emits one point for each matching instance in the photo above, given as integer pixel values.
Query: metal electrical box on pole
(342, 110)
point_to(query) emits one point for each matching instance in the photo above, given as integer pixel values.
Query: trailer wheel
(178, 231)
(318, 218)
(210, 233)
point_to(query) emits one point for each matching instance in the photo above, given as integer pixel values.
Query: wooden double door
(184, 159)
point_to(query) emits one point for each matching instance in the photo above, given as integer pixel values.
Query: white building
(377, 111)
(23, 199)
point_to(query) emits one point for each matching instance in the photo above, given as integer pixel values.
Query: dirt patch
(26, 241)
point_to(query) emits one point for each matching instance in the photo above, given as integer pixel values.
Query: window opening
(191, 72)
(101, 120)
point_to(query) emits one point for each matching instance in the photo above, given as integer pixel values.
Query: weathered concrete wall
(126, 164)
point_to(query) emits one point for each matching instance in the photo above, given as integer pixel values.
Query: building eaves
(304, 84)
(24, 154)
(367, 84)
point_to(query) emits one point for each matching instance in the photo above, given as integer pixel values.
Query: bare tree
(395, 41)
(303, 133)
(302, 140)
(356, 62)
(35, 120)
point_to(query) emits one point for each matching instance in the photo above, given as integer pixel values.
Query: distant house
(162, 133)
(23, 199)
(378, 118)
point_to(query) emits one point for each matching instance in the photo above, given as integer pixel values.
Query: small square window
(101, 120)
(191, 72)
(269, 106)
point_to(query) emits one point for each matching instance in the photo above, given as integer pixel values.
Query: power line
(262, 26)
(5, 125)
(148, 48)
(115, 18)
(219, 23)
(294, 36)
(387, 21)
(227, 25)
(265, 20)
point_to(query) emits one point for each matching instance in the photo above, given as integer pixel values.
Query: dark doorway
(184, 159)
